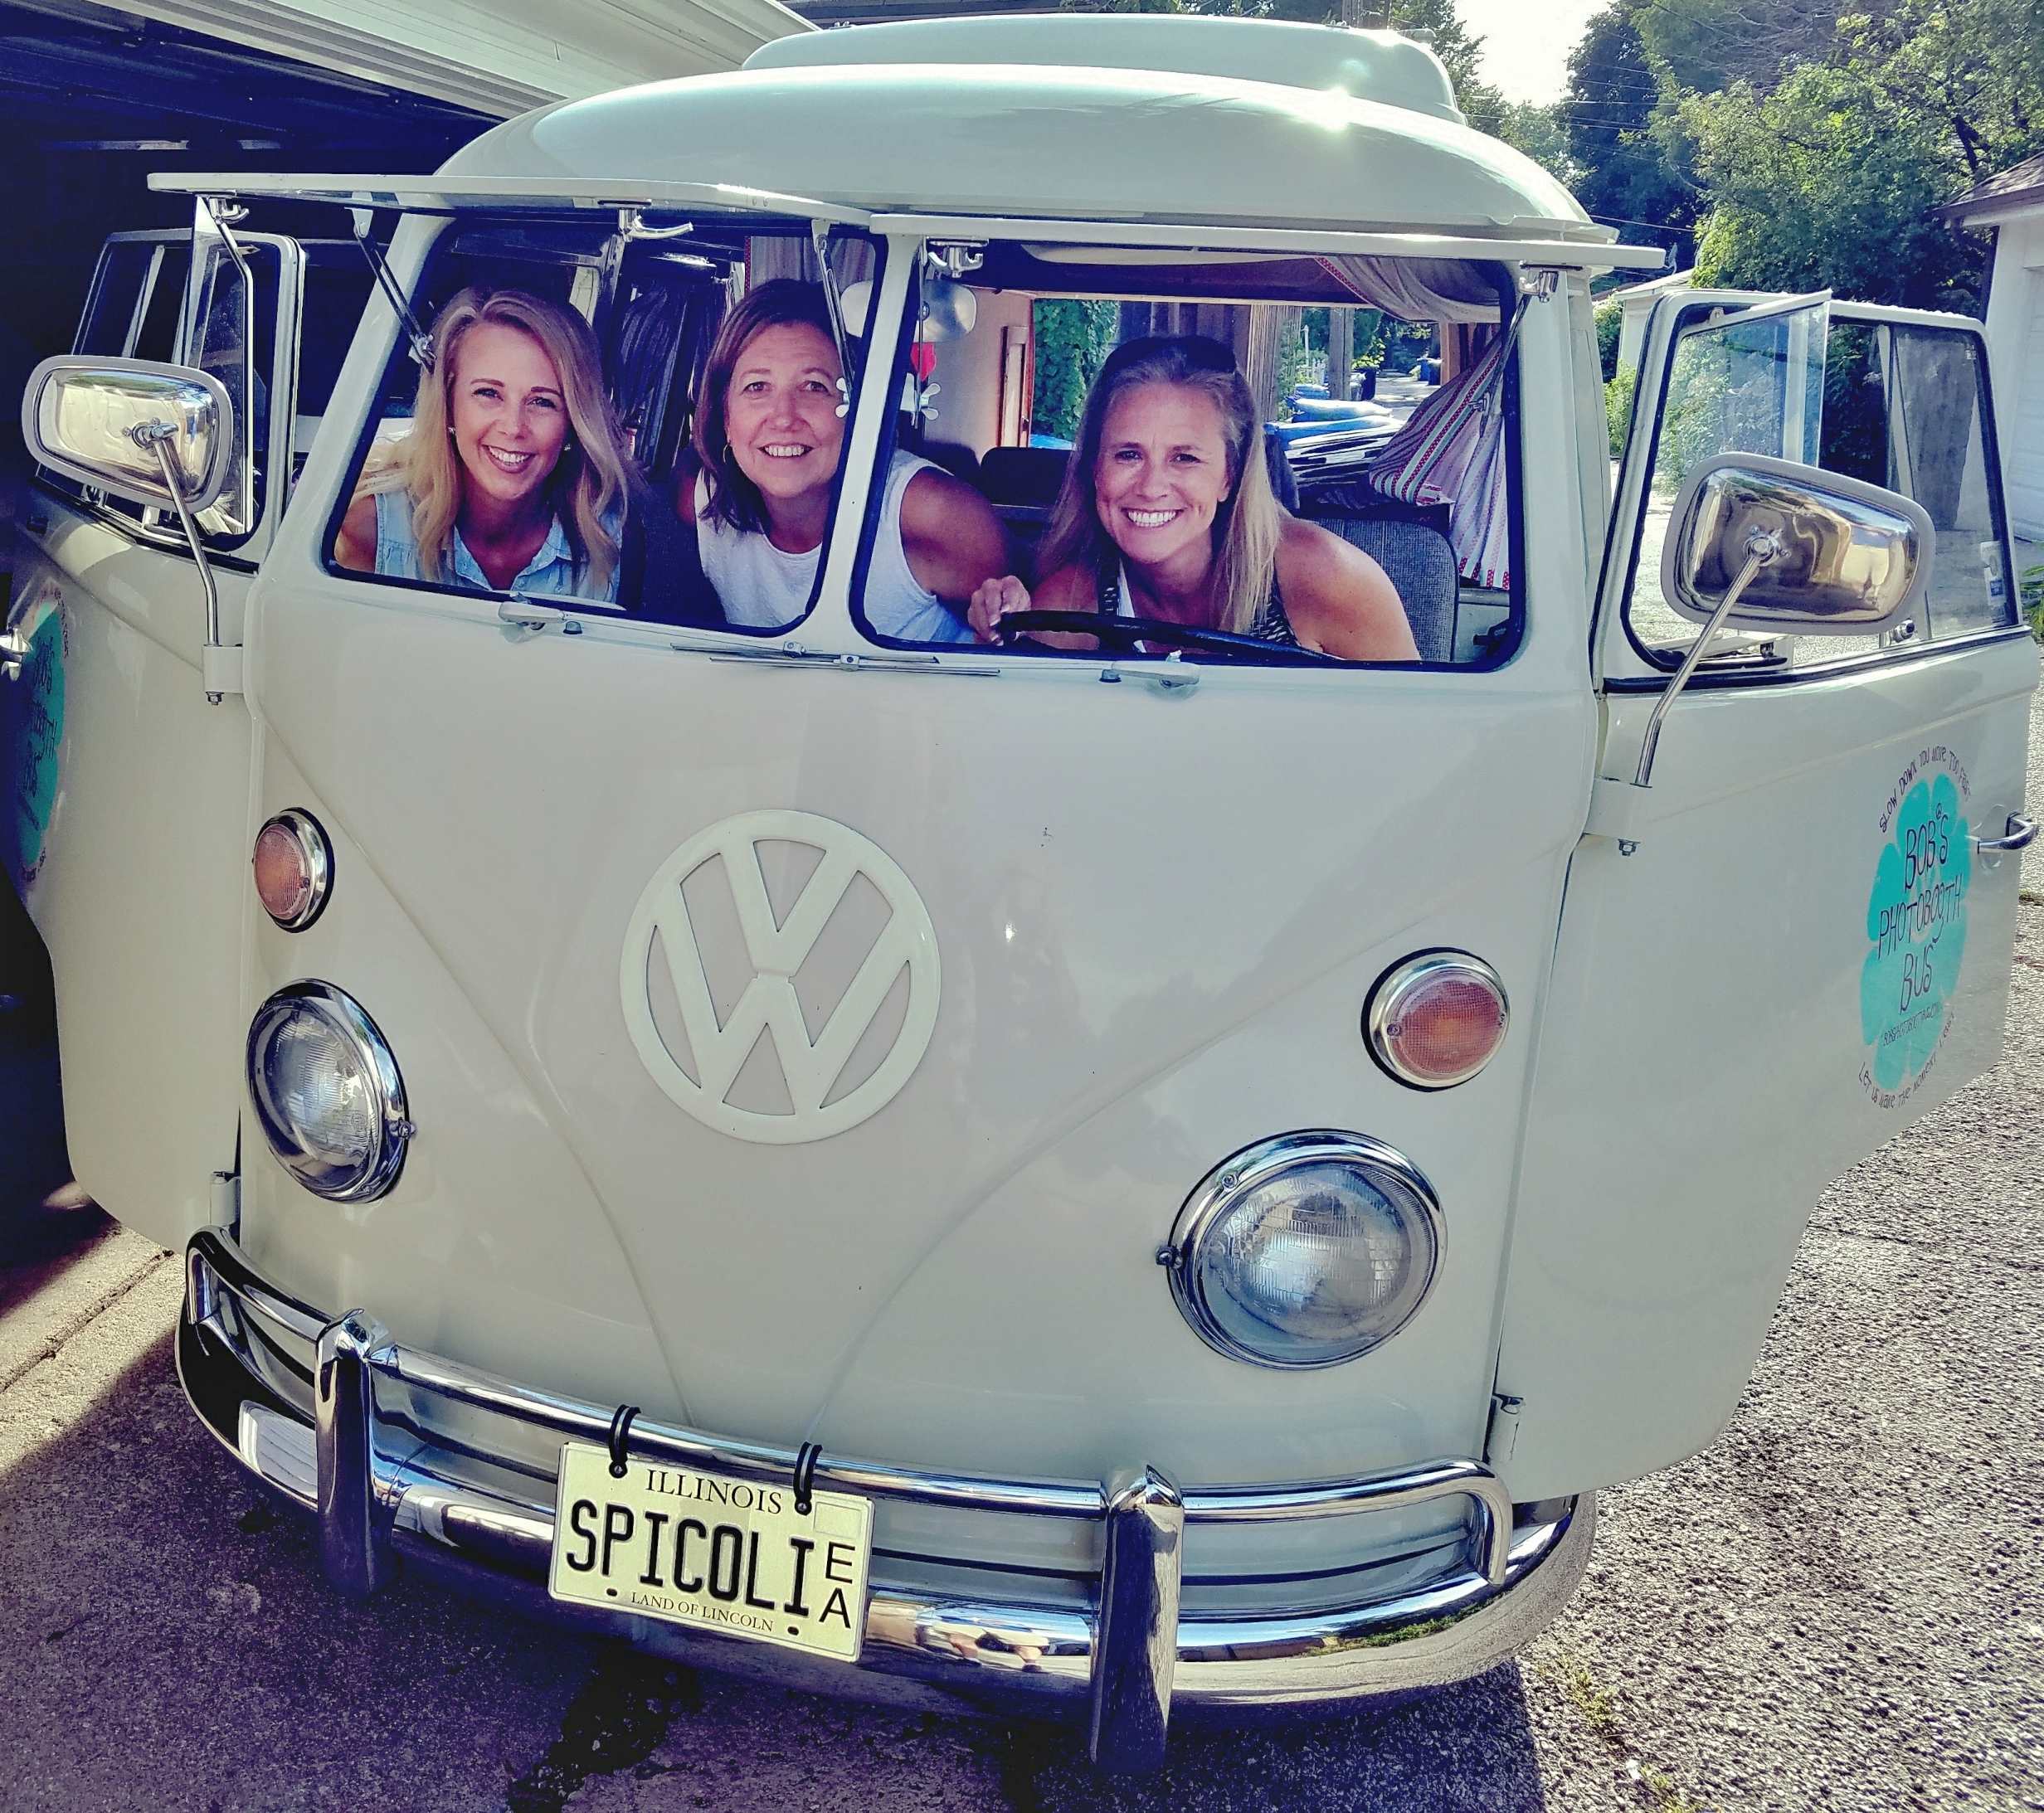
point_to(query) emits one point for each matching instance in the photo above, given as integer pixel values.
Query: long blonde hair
(1248, 524)
(588, 481)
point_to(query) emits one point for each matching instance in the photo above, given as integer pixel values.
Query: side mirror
(102, 422)
(1849, 559)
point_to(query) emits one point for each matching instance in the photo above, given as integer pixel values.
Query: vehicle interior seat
(956, 458)
(1420, 561)
(1022, 478)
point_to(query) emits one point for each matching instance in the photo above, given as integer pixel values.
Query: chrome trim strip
(925, 1645)
(870, 1479)
(1415, 1485)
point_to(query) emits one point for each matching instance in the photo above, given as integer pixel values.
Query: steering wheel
(1129, 634)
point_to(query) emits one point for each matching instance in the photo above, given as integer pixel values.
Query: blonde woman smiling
(512, 478)
(1166, 512)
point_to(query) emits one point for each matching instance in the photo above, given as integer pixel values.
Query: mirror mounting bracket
(215, 664)
(1763, 545)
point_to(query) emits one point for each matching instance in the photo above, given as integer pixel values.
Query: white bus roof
(1049, 117)
(1370, 65)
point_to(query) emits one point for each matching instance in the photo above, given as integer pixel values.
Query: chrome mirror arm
(1762, 546)
(156, 436)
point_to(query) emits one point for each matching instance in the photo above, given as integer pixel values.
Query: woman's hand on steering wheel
(995, 599)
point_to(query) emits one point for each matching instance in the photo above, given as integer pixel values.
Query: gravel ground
(1836, 1606)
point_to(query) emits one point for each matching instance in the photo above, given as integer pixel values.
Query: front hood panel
(1154, 923)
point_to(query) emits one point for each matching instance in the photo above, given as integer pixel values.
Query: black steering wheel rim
(1131, 633)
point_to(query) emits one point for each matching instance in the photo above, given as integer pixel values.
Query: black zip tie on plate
(621, 1430)
(805, 1459)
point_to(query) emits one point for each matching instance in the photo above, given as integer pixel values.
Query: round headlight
(327, 1092)
(1305, 1250)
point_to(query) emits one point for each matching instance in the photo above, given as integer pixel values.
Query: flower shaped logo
(1916, 924)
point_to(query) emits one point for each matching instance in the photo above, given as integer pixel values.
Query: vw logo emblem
(664, 934)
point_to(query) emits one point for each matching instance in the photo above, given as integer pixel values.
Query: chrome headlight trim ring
(1392, 990)
(1224, 1187)
(379, 1171)
(317, 848)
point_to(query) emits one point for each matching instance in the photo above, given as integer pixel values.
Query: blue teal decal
(32, 718)
(1916, 926)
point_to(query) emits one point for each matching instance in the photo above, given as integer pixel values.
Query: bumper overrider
(1085, 1611)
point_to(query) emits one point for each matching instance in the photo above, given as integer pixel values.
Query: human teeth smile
(509, 462)
(1150, 519)
(785, 451)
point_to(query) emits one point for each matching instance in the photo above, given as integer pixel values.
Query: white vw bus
(1142, 1178)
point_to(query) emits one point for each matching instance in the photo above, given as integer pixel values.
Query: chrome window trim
(1387, 993)
(1216, 1194)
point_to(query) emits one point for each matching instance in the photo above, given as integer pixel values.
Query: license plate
(699, 1549)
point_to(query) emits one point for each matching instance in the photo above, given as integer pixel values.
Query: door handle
(2019, 833)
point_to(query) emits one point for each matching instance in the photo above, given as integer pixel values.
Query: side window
(1904, 407)
(234, 338)
(1747, 381)
(137, 294)
(338, 285)
(1349, 422)
(1897, 403)
(156, 334)
(119, 289)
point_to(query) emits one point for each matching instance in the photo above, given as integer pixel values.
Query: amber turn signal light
(1436, 1019)
(294, 864)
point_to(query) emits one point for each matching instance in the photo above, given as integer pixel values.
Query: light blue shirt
(551, 571)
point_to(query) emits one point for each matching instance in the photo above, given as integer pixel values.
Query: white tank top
(762, 588)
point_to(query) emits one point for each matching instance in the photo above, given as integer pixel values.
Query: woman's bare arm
(953, 540)
(1339, 599)
(355, 546)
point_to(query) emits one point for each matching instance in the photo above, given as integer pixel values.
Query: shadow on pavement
(172, 1644)
(1469, 1745)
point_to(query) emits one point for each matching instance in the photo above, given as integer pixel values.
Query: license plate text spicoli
(697, 1548)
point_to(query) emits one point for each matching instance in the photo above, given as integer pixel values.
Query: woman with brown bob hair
(1166, 512)
(512, 478)
(769, 436)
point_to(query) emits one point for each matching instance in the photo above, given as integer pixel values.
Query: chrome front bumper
(400, 1454)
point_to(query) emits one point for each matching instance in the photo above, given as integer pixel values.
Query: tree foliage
(1825, 184)
(1072, 341)
(1806, 149)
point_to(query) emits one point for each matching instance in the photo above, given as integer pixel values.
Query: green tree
(1969, 71)
(1704, 45)
(1527, 126)
(1622, 172)
(1825, 183)
(1073, 341)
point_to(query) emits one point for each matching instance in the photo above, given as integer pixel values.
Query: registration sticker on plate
(667, 1542)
